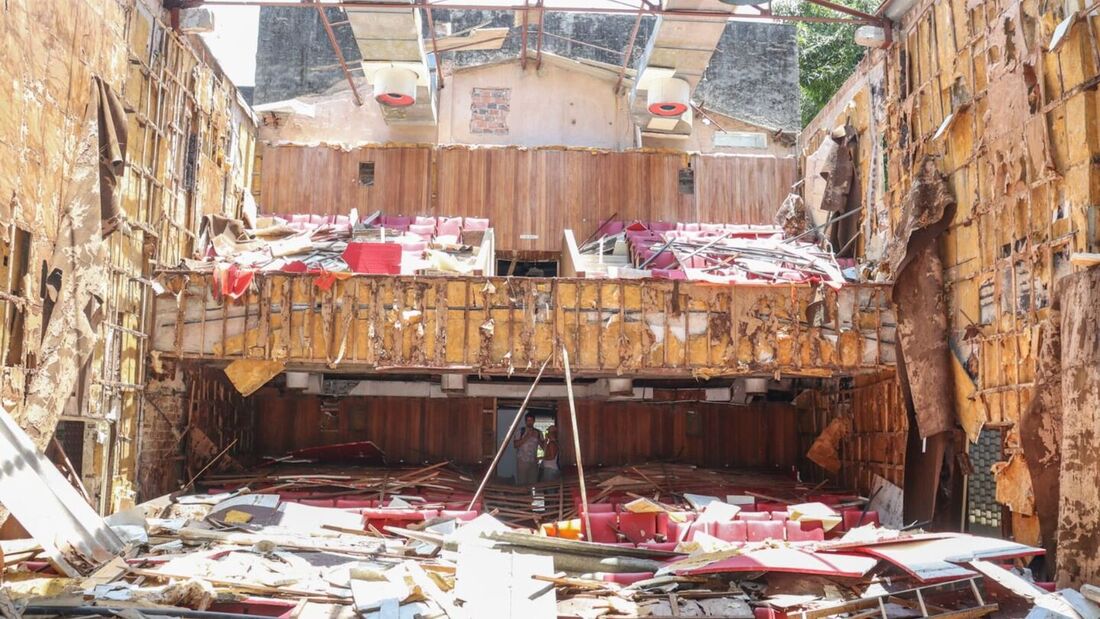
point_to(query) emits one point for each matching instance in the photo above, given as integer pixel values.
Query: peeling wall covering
(1079, 518)
(189, 152)
(1008, 113)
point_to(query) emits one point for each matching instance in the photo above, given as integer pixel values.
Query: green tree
(827, 53)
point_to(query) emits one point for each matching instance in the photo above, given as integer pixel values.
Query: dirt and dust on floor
(334, 532)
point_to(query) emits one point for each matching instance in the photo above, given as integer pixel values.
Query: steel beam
(629, 48)
(538, 42)
(863, 18)
(339, 54)
(435, 48)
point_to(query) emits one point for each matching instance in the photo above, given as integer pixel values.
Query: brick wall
(160, 463)
(489, 110)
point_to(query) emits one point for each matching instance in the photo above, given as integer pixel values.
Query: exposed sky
(233, 41)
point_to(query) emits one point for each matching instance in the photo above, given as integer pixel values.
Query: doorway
(546, 414)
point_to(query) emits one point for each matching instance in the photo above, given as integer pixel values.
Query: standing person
(551, 471)
(527, 442)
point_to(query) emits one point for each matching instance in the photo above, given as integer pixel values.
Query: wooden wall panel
(322, 180)
(701, 433)
(742, 190)
(434, 429)
(525, 192)
(406, 429)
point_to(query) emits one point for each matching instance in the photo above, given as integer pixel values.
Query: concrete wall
(548, 106)
(553, 106)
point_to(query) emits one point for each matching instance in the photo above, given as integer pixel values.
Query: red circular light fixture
(395, 99)
(669, 108)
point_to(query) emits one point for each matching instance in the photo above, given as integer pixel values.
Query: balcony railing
(499, 326)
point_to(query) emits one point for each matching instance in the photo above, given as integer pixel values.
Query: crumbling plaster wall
(1008, 111)
(189, 151)
(546, 106)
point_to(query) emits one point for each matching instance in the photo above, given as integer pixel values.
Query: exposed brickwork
(489, 110)
(160, 463)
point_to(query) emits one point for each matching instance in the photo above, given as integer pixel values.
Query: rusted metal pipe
(629, 48)
(538, 43)
(435, 48)
(523, 36)
(339, 53)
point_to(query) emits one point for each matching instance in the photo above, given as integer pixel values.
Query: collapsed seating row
(634, 528)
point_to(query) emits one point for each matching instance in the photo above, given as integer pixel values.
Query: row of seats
(614, 227)
(746, 526)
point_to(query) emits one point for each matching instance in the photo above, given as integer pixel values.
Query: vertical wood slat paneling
(406, 429)
(616, 433)
(434, 429)
(525, 192)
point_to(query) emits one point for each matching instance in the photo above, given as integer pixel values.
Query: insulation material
(825, 451)
(972, 412)
(1014, 485)
(1079, 524)
(248, 375)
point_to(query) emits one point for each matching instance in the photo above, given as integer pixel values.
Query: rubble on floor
(294, 539)
(709, 252)
(339, 245)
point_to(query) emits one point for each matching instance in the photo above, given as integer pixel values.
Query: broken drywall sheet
(72, 535)
(889, 501)
(1079, 493)
(825, 451)
(248, 375)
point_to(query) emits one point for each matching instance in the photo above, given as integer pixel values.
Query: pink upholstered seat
(805, 531)
(734, 531)
(760, 530)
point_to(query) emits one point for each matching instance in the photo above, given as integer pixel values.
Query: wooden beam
(576, 441)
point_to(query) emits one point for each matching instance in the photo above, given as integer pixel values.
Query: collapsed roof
(296, 59)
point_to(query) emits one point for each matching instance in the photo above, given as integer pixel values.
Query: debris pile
(666, 540)
(340, 245)
(715, 253)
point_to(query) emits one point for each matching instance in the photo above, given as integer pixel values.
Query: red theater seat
(603, 527)
(754, 516)
(760, 530)
(780, 515)
(805, 531)
(856, 518)
(355, 503)
(626, 578)
(599, 508)
(637, 527)
(678, 531)
(735, 531)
